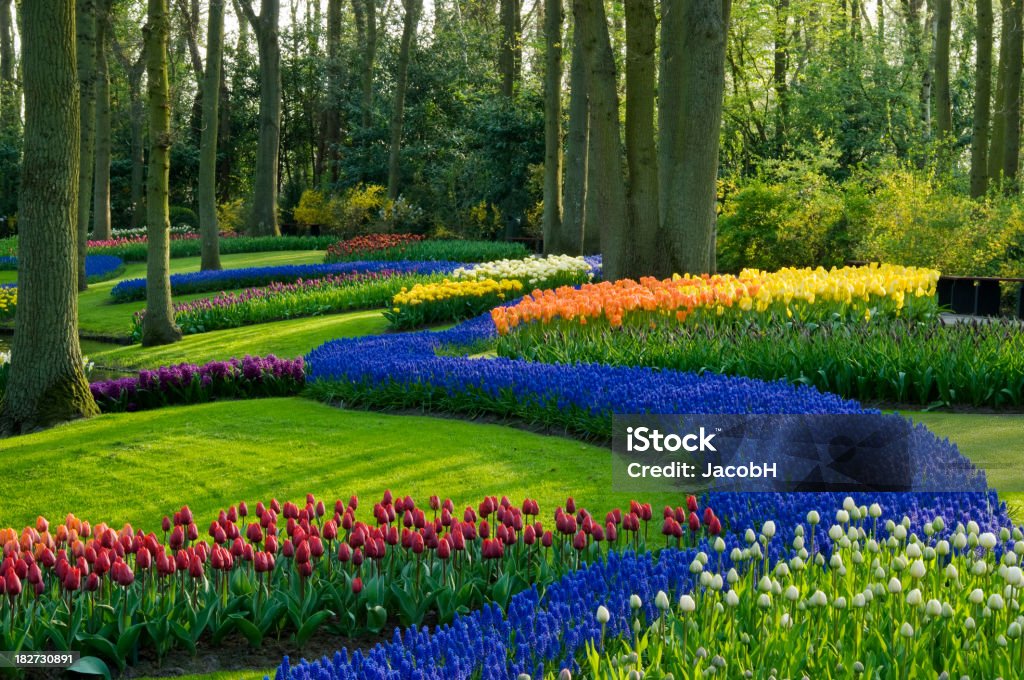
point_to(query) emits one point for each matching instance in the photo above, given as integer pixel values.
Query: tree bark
(335, 85)
(263, 219)
(577, 141)
(641, 148)
(208, 227)
(158, 326)
(101, 228)
(366, 19)
(10, 100)
(693, 82)
(47, 384)
(510, 54)
(1012, 92)
(997, 143)
(409, 25)
(552, 217)
(943, 102)
(982, 99)
(85, 22)
(605, 183)
(135, 69)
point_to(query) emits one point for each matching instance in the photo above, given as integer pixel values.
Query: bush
(231, 216)
(179, 215)
(361, 209)
(189, 245)
(427, 250)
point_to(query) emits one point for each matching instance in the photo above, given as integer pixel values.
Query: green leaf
(102, 647)
(253, 634)
(310, 626)
(376, 618)
(126, 642)
(90, 665)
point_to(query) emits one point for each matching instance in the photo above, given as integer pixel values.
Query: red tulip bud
(166, 524)
(288, 549)
(143, 559)
(547, 539)
(691, 503)
(529, 535)
(72, 579)
(271, 546)
(305, 569)
(694, 522)
(92, 583)
(344, 552)
(709, 514)
(612, 531)
(195, 568)
(316, 547)
(715, 527)
(580, 541)
(302, 553)
(254, 533)
(435, 503)
(357, 585)
(444, 550)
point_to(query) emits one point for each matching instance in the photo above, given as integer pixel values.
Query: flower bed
(534, 272)
(448, 300)
(179, 230)
(97, 267)
(134, 249)
(8, 302)
(585, 620)
(801, 294)
(305, 297)
(246, 378)
(204, 282)
(380, 247)
(887, 360)
(290, 570)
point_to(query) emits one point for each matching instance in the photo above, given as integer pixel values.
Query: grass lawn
(994, 443)
(138, 467)
(291, 338)
(99, 315)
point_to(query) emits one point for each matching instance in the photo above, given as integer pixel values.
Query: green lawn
(99, 316)
(291, 338)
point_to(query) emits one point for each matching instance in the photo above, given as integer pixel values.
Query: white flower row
(532, 270)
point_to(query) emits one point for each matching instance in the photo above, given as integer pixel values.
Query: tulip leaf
(90, 665)
(311, 625)
(249, 630)
(376, 618)
(223, 630)
(102, 647)
(127, 640)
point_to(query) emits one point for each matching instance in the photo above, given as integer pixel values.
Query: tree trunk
(1012, 92)
(335, 94)
(409, 25)
(10, 101)
(641, 148)
(158, 327)
(510, 54)
(693, 82)
(943, 103)
(577, 141)
(47, 384)
(780, 69)
(85, 22)
(263, 220)
(366, 17)
(982, 100)
(208, 227)
(552, 218)
(101, 228)
(605, 183)
(997, 144)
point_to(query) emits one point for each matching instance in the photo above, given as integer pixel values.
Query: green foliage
(179, 215)
(360, 209)
(231, 216)
(893, 361)
(136, 252)
(438, 250)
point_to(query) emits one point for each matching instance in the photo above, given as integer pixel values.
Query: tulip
(547, 539)
(143, 559)
(443, 550)
(357, 585)
(254, 533)
(271, 545)
(72, 580)
(570, 504)
(691, 503)
(580, 541)
(166, 524)
(316, 547)
(288, 549)
(302, 552)
(92, 583)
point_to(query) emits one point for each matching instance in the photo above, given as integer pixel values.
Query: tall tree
(263, 220)
(943, 102)
(690, 113)
(10, 100)
(982, 99)
(605, 182)
(335, 85)
(577, 141)
(997, 143)
(101, 227)
(641, 148)
(85, 23)
(554, 18)
(212, 76)
(47, 384)
(158, 326)
(413, 9)
(1012, 90)
(510, 56)
(780, 68)
(366, 24)
(134, 68)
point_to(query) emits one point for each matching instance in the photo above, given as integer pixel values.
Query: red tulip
(47, 558)
(271, 545)
(288, 548)
(72, 580)
(547, 539)
(254, 533)
(529, 535)
(166, 524)
(580, 541)
(195, 568)
(357, 585)
(570, 504)
(302, 553)
(177, 539)
(42, 524)
(305, 569)
(417, 543)
(316, 547)
(330, 530)
(357, 557)
(715, 526)
(92, 583)
(694, 522)
(243, 509)
(709, 514)
(435, 503)
(344, 552)
(485, 530)
(444, 550)
(612, 531)
(143, 559)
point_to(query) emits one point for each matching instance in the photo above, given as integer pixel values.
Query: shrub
(313, 210)
(428, 250)
(180, 215)
(189, 245)
(231, 216)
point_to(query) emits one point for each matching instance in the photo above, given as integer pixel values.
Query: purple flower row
(249, 377)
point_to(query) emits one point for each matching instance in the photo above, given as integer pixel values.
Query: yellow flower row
(8, 302)
(446, 290)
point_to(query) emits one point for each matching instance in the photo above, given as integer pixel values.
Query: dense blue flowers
(97, 267)
(227, 279)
